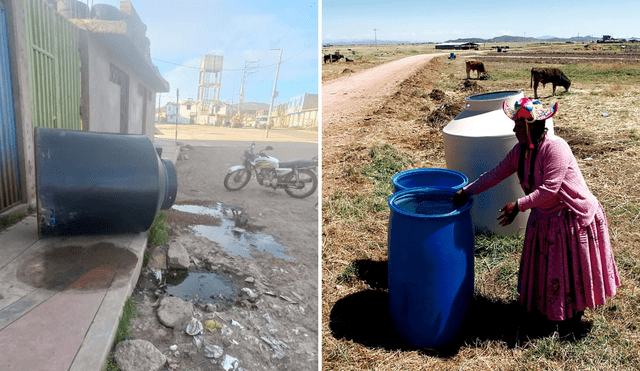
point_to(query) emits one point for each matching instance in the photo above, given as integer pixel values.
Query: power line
(234, 69)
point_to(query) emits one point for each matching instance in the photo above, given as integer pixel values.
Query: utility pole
(375, 36)
(177, 111)
(244, 74)
(274, 92)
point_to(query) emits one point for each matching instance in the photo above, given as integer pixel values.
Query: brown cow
(475, 65)
(546, 75)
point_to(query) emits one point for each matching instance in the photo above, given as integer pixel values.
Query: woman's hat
(529, 110)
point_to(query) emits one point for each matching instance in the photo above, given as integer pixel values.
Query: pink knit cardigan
(557, 180)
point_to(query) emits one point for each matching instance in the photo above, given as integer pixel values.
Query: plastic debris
(226, 331)
(276, 345)
(212, 351)
(197, 341)
(212, 325)
(272, 329)
(237, 324)
(230, 363)
(605, 115)
(194, 327)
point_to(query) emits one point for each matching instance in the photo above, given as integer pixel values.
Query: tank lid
(493, 100)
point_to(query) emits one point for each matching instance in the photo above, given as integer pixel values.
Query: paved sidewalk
(61, 297)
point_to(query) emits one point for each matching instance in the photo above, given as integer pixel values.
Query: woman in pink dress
(567, 262)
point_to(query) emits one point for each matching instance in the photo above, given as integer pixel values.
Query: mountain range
(496, 40)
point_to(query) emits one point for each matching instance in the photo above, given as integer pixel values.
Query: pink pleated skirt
(565, 268)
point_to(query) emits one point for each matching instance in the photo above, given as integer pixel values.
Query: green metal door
(54, 67)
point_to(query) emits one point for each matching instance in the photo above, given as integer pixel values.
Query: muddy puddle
(230, 235)
(208, 287)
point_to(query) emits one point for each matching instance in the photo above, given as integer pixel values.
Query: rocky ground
(246, 302)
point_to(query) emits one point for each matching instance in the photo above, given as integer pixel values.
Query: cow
(348, 60)
(546, 75)
(332, 57)
(475, 65)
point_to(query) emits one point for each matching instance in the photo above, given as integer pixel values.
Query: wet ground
(230, 235)
(207, 287)
(253, 269)
(58, 268)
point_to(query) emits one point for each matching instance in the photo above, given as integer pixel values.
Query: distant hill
(499, 39)
(522, 39)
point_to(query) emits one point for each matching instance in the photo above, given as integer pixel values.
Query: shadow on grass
(364, 318)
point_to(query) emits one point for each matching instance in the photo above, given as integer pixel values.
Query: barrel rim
(477, 97)
(396, 178)
(426, 190)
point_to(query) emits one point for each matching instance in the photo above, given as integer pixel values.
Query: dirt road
(247, 239)
(353, 96)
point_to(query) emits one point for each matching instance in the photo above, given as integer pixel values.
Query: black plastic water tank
(98, 183)
(106, 12)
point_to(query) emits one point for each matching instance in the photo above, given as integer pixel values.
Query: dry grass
(356, 333)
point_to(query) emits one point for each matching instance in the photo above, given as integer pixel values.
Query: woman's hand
(508, 213)
(460, 198)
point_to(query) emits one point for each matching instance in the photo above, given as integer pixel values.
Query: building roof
(126, 39)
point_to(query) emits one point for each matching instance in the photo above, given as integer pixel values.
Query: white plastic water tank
(474, 143)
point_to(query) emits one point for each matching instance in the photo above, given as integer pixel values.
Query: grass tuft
(159, 231)
(128, 311)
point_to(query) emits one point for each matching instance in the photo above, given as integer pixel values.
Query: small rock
(194, 327)
(250, 280)
(157, 259)
(250, 293)
(177, 256)
(138, 355)
(210, 307)
(173, 311)
(173, 348)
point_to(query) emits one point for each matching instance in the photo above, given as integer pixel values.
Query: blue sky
(181, 32)
(438, 21)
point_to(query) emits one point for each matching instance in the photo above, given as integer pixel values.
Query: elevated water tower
(210, 79)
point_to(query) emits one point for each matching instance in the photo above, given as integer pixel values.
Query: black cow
(332, 57)
(546, 75)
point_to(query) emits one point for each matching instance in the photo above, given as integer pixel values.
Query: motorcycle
(297, 178)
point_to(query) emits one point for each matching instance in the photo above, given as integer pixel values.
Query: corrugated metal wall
(54, 67)
(10, 192)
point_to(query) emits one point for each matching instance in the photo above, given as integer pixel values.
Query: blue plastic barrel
(429, 177)
(430, 250)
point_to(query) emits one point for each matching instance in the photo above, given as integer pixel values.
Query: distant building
(302, 111)
(458, 46)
